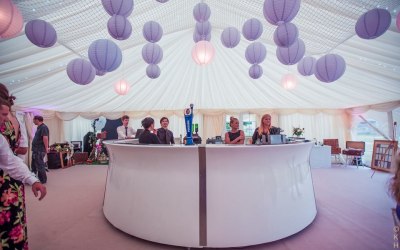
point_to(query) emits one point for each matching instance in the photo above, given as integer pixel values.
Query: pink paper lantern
(306, 66)
(118, 7)
(252, 29)
(203, 52)
(152, 53)
(292, 54)
(230, 37)
(280, 11)
(285, 35)
(81, 71)
(289, 81)
(119, 27)
(11, 20)
(255, 71)
(153, 71)
(330, 68)
(121, 87)
(41, 33)
(152, 31)
(255, 53)
(201, 12)
(373, 23)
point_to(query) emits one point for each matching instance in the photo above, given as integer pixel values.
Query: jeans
(39, 166)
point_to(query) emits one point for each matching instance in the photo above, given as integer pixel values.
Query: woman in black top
(146, 137)
(265, 129)
(235, 136)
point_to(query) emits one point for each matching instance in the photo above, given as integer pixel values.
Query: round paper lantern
(11, 20)
(373, 23)
(119, 27)
(255, 53)
(398, 21)
(118, 7)
(121, 87)
(152, 53)
(285, 35)
(252, 29)
(255, 71)
(153, 71)
(197, 37)
(80, 71)
(329, 68)
(41, 33)
(162, 1)
(203, 29)
(292, 54)
(289, 81)
(105, 55)
(203, 52)
(201, 12)
(306, 66)
(280, 11)
(152, 31)
(230, 37)
(100, 73)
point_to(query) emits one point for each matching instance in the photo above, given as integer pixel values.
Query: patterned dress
(13, 231)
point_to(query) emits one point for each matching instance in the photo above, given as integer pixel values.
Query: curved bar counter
(209, 195)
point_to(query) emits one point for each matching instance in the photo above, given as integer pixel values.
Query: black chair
(77, 146)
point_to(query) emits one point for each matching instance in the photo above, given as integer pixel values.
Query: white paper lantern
(122, 87)
(203, 52)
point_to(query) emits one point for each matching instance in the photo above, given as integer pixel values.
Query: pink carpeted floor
(353, 213)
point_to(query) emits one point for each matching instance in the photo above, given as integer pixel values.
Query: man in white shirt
(124, 131)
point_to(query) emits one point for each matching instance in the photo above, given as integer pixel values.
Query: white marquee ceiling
(38, 77)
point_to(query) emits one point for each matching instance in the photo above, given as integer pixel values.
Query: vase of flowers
(298, 131)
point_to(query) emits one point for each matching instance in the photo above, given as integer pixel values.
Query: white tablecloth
(320, 157)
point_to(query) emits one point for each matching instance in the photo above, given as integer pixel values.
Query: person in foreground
(125, 131)
(265, 129)
(147, 137)
(235, 136)
(13, 234)
(394, 187)
(164, 134)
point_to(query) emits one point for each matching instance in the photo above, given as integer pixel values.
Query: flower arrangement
(298, 131)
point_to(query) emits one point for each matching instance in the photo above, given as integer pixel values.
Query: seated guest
(147, 136)
(235, 136)
(164, 134)
(125, 131)
(265, 129)
(394, 186)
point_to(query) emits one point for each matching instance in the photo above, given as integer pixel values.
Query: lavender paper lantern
(11, 20)
(373, 23)
(119, 27)
(201, 12)
(255, 71)
(203, 29)
(306, 66)
(292, 54)
(197, 37)
(118, 7)
(203, 52)
(152, 53)
(105, 55)
(162, 1)
(252, 29)
(285, 35)
(122, 87)
(230, 37)
(153, 71)
(256, 53)
(152, 31)
(329, 68)
(41, 33)
(100, 73)
(280, 11)
(81, 71)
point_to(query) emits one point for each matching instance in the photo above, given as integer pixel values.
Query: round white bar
(253, 194)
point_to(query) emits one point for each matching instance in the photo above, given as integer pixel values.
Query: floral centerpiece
(298, 131)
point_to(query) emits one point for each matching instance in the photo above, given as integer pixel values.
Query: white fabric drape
(76, 129)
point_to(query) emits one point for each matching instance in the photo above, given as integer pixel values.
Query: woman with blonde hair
(235, 136)
(394, 187)
(265, 129)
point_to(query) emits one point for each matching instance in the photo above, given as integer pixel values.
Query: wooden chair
(355, 150)
(335, 149)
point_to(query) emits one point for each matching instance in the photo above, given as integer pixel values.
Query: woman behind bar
(265, 129)
(235, 136)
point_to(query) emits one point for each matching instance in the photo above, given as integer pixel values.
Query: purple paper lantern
(201, 12)
(230, 37)
(329, 68)
(292, 54)
(255, 71)
(252, 29)
(306, 66)
(118, 7)
(11, 20)
(105, 55)
(80, 71)
(285, 35)
(41, 33)
(119, 27)
(162, 1)
(100, 73)
(373, 23)
(280, 11)
(153, 71)
(152, 31)
(255, 53)
(152, 53)
(203, 29)
(197, 37)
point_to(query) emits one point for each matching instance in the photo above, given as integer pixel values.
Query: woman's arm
(227, 139)
(255, 135)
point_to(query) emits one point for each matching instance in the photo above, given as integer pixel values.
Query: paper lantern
(255, 53)
(285, 35)
(152, 53)
(153, 71)
(197, 37)
(105, 55)
(100, 73)
(289, 81)
(118, 7)
(80, 71)
(292, 54)
(398, 21)
(373, 23)
(11, 20)
(329, 68)
(152, 31)
(252, 29)
(162, 1)
(280, 11)
(41, 33)
(230, 37)
(201, 12)
(203, 52)
(119, 27)
(121, 87)
(306, 66)
(255, 71)
(203, 29)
